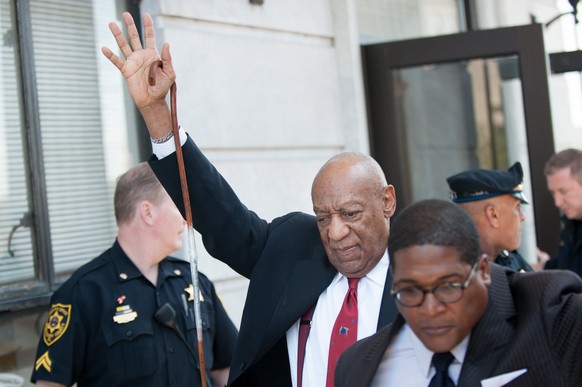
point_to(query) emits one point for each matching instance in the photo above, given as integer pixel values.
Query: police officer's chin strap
(192, 254)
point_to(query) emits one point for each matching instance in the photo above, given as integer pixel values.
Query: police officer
(126, 317)
(563, 172)
(493, 199)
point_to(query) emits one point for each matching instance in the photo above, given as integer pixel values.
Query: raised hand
(135, 68)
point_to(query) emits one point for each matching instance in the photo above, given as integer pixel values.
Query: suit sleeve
(231, 232)
(564, 320)
(556, 296)
(226, 335)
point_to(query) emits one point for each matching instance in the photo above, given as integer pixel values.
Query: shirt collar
(376, 275)
(424, 355)
(379, 272)
(126, 269)
(171, 267)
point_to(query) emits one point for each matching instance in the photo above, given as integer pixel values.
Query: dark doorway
(440, 105)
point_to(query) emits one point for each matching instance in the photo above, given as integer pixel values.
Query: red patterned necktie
(345, 329)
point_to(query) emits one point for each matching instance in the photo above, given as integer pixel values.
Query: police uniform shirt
(512, 260)
(101, 329)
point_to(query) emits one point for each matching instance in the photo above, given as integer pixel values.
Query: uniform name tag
(124, 314)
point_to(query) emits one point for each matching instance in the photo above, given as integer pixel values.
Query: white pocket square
(503, 379)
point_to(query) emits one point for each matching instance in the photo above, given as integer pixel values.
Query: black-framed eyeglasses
(448, 293)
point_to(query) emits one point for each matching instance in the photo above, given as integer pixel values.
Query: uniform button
(128, 333)
(242, 366)
(171, 349)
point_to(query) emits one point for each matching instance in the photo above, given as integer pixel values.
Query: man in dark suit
(564, 180)
(297, 263)
(464, 320)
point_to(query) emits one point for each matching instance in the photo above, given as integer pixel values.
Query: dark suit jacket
(533, 321)
(284, 260)
(570, 254)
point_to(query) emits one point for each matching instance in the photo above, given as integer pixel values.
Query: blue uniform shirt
(513, 260)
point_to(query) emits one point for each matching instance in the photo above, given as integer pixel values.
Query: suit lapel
(492, 334)
(307, 280)
(388, 309)
(376, 349)
(376, 352)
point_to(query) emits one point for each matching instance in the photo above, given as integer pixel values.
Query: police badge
(57, 323)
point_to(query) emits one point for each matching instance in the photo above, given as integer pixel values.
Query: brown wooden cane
(186, 199)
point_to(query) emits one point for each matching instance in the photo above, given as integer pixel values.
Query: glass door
(441, 105)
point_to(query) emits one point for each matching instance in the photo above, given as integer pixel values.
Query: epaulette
(92, 265)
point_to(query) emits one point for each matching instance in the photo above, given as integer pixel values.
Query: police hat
(478, 184)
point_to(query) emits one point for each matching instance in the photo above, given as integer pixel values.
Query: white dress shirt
(370, 290)
(167, 148)
(407, 362)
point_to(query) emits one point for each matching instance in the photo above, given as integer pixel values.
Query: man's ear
(491, 214)
(484, 269)
(146, 212)
(389, 196)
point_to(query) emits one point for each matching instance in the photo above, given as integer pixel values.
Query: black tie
(441, 362)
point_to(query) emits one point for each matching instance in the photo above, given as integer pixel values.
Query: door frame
(388, 138)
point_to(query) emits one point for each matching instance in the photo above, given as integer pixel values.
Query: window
(64, 139)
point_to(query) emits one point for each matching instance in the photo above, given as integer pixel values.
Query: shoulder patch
(57, 323)
(44, 361)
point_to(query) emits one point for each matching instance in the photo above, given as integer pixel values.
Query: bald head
(353, 165)
(353, 204)
(475, 209)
